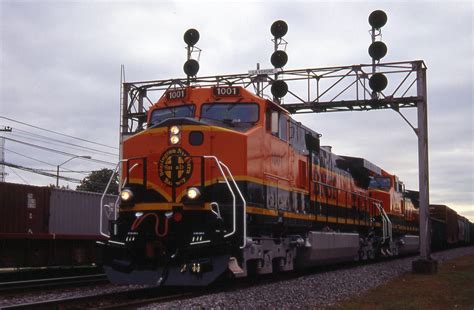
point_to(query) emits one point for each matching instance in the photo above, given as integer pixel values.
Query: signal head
(279, 28)
(191, 67)
(377, 19)
(279, 59)
(279, 88)
(377, 50)
(191, 37)
(378, 82)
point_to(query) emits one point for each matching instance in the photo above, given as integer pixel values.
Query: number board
(176, 94)
(226, 91)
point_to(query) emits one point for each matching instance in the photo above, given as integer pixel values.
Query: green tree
(97, 180)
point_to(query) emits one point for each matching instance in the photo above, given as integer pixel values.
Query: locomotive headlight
(126, 195)
(174, 130)
(174, 139)
(193, 193)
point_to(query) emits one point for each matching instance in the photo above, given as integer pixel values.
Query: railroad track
(18, 286)
(114, 300)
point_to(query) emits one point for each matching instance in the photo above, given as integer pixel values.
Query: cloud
(60, 69)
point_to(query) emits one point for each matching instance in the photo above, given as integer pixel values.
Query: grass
(451, 288)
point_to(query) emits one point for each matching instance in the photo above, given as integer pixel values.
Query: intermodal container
(24, 209)
(78, 213)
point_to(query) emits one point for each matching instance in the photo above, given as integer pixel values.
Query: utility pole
(2, 152)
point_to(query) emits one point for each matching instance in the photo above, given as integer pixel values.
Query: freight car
(45, 227)
(448, 228)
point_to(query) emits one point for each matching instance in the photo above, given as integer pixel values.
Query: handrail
(118, 198)
(244, 212)
(234, 213)
(102, 200)
(386, 223)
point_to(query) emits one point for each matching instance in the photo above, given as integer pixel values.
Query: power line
(64, 170)
(59, 152)
(63, 142)
(13, 170)
(40, 161)
(44, 173)
(68, 171)
(58, 133)
(37, 171)
(42, 140)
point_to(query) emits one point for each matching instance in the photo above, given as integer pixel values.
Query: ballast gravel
(61, 293)
(313, 291)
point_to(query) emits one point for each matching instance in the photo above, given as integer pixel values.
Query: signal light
(279, 88)
(378, 82)
(377, 50)
(191, 37)
(279, 59)
(279, 29)
(191, 67)
(377, 19)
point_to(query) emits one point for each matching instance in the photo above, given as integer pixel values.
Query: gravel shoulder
(314, 291)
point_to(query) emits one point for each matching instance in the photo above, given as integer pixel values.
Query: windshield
(240, 116)
(382, 183)
(160, 115)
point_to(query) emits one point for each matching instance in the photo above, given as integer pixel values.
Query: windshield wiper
(229, 121)
(231, 106)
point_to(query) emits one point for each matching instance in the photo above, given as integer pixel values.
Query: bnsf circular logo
(175, 167)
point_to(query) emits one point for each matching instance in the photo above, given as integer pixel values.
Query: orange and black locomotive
(225, 182)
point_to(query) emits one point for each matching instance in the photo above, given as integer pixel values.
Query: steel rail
(12, 286)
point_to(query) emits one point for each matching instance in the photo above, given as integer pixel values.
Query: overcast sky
(60, 70)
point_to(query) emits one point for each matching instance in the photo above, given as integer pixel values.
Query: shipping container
(77, 213)
(24, 209)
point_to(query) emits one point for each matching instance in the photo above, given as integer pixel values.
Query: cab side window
(283, 127)
(275, 128)
(277, 124)
(272, 121)
(268, 119)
